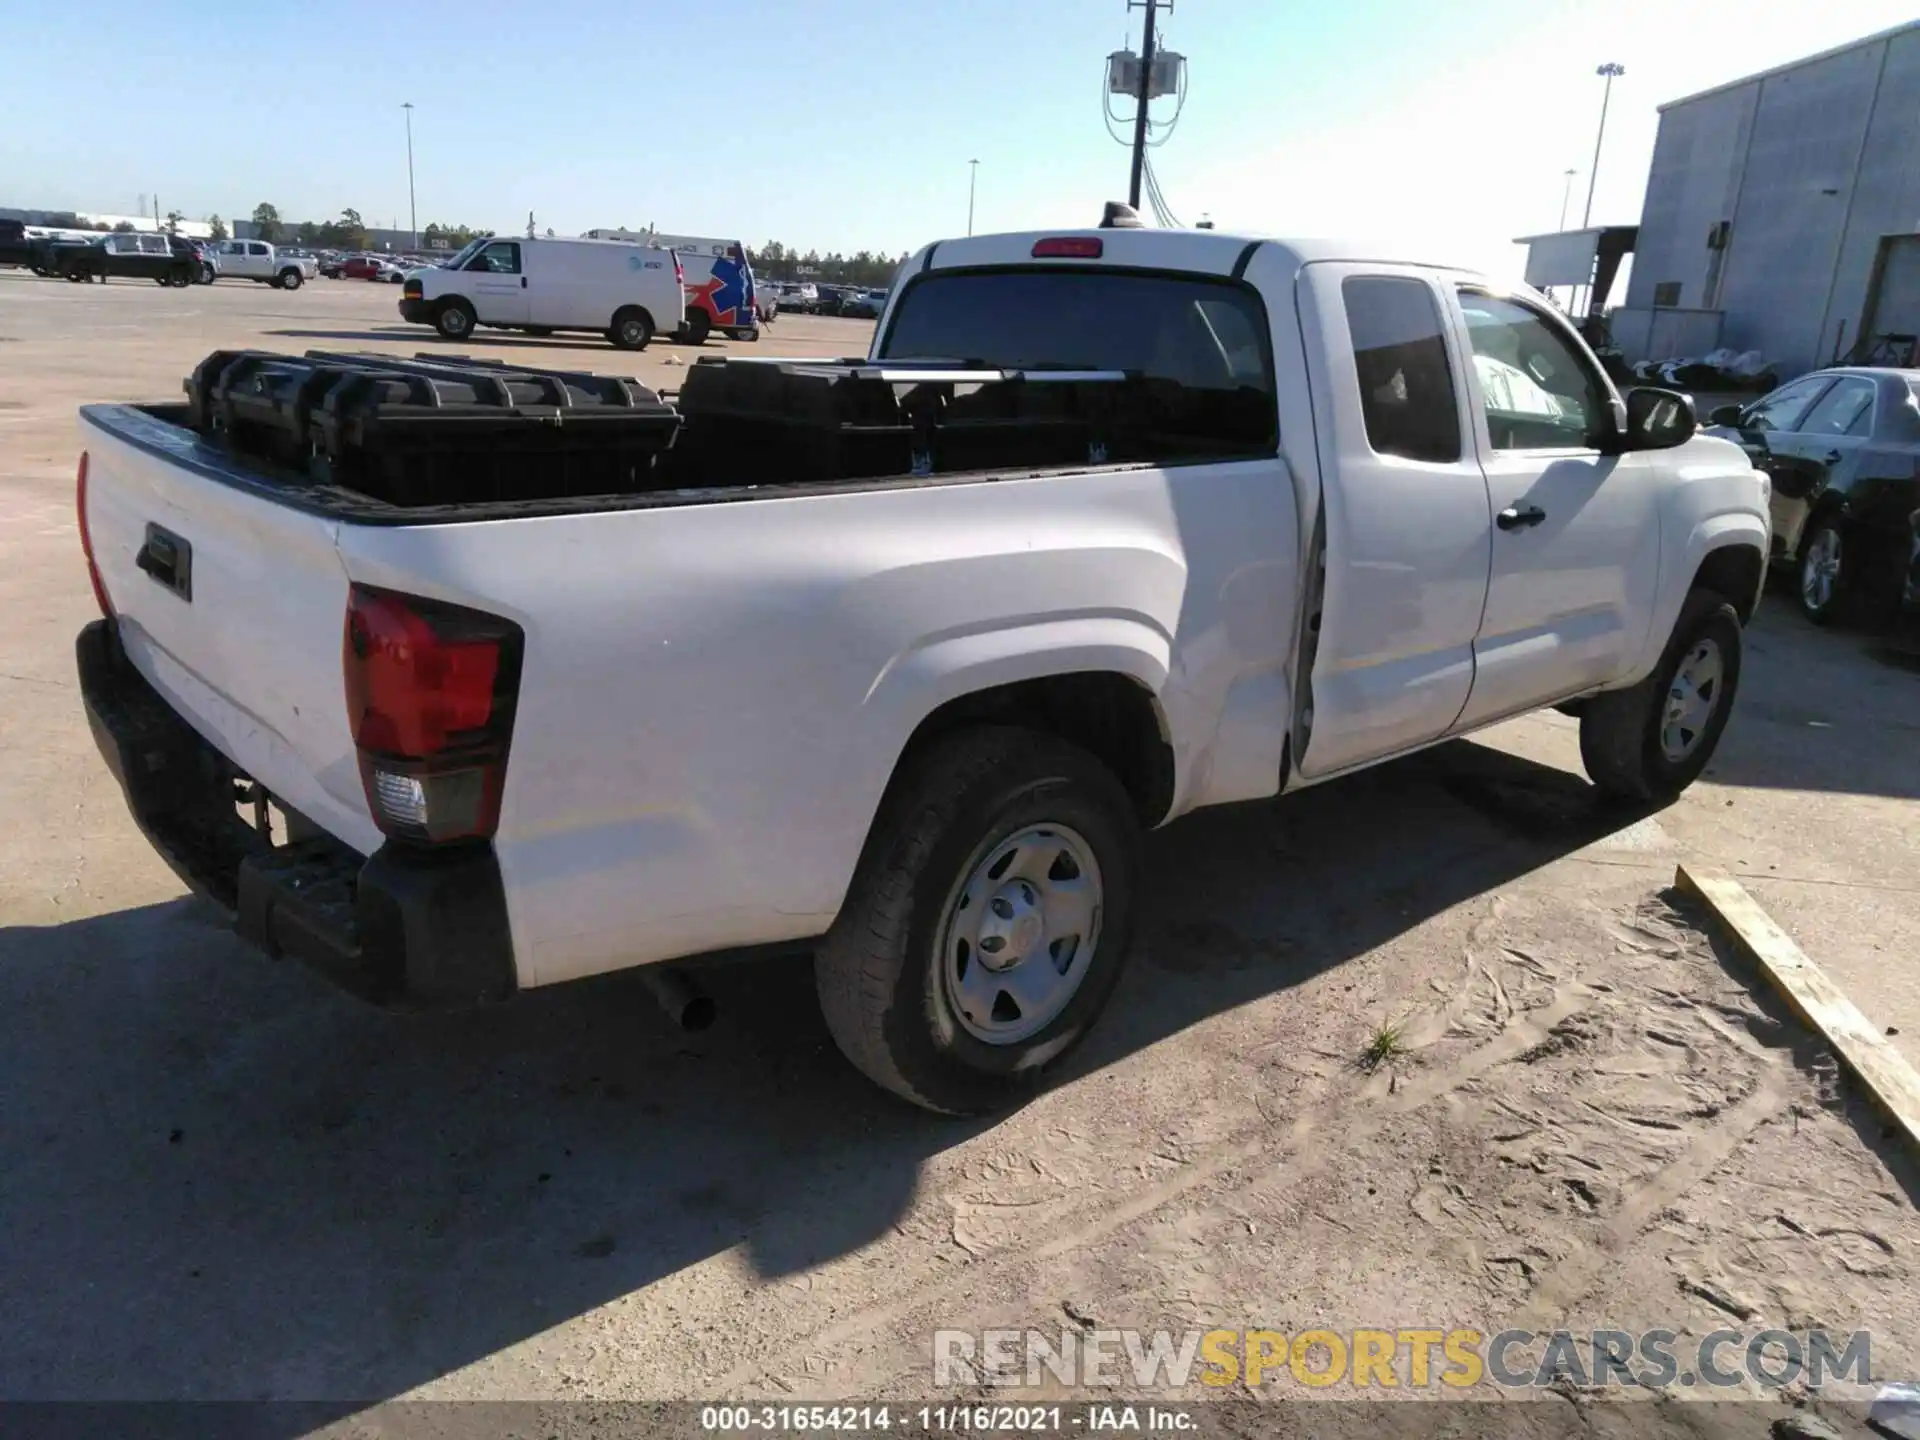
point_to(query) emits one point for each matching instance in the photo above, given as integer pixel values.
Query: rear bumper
(415, 311)
(403, 928)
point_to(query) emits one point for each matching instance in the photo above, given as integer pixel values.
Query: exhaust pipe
(686, 1004)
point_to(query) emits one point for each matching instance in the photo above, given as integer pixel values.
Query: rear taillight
(1069, 247)
(431, 689)
(86, 538)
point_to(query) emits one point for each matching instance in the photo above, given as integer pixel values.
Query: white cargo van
(722, 295)
(629, 293)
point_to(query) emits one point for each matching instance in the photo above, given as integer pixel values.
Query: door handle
(1832, 457)
(1519, 517)
(523, 282)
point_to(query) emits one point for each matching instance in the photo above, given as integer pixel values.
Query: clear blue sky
(844, 124)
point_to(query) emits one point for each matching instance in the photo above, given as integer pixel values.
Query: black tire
(454, 319)
(880, 973)
(1822, 577)
(698, 326)
(631, 329)
(1620, 730)
(290, 279)
(207, 273)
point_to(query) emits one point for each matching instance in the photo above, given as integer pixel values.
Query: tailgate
(232, 606)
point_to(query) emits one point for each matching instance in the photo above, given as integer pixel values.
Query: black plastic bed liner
(425, 432)
(387, 440)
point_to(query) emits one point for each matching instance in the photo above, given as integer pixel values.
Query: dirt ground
(223, 1180)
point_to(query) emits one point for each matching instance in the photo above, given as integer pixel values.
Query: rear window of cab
(1198, 349)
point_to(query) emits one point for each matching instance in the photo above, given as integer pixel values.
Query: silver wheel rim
(1820, 570)
(1692, 699)
(633, 332)
(1019, 933)
(457, 320)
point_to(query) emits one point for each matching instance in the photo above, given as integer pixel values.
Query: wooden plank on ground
(1860, 1046)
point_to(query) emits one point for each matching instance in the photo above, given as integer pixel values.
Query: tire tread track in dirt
(1535, 1166)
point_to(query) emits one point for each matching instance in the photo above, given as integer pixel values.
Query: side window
(1783, 408)
(502, 258)
(1400, 354)
(234, 247)
(256, 248)
(1847, 405)
(153, 245)
(1539, 391)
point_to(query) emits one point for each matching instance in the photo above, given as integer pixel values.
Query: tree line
(349, 232)
(869, 269)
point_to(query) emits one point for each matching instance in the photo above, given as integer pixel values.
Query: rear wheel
(290, 279)
(1652, 740)
(699, 325)
(454, 319)
(988, 923)
(631, 330)
(1822, 575)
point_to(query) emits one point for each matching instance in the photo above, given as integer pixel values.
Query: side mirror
(1725, 415)
(1658, 419)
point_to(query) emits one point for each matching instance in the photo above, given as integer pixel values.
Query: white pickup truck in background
(917, 723)
(257, 260)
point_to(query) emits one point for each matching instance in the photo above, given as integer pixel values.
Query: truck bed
(743, 438)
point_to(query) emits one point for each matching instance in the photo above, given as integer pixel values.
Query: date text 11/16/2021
(947, 1419)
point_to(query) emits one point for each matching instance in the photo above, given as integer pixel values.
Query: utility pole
(1609, 70)
(1565, 195)
(973, 177)
(413, 212)
(1140, 99)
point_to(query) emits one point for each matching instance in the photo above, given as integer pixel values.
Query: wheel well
(639, 310)
(1110, 716)
(1734, 571)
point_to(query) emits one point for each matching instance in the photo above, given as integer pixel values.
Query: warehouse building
(1783, 215)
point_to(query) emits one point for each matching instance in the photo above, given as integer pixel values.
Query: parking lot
(224, 1180)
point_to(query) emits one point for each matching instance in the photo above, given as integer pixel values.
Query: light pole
(1610, 69)
(973, 178)
(413, 212)
(1566, 195)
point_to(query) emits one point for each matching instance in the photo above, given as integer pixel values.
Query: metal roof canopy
(1579, 257)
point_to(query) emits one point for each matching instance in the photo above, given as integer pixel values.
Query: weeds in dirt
(1387, 1046)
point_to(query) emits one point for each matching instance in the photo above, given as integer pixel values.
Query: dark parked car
(198, 255)
(135, 257)
(1842, 448)
(864, 304)
(15, 246)
(831, 299)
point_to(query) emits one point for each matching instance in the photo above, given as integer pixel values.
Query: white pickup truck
(917, 723)
(257, 260)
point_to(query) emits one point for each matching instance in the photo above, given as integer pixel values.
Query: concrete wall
(1886, 193)
(1694, 183)
(1811, 164)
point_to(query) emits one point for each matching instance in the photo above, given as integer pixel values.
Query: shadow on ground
(223, 1180)
(1835, 709)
